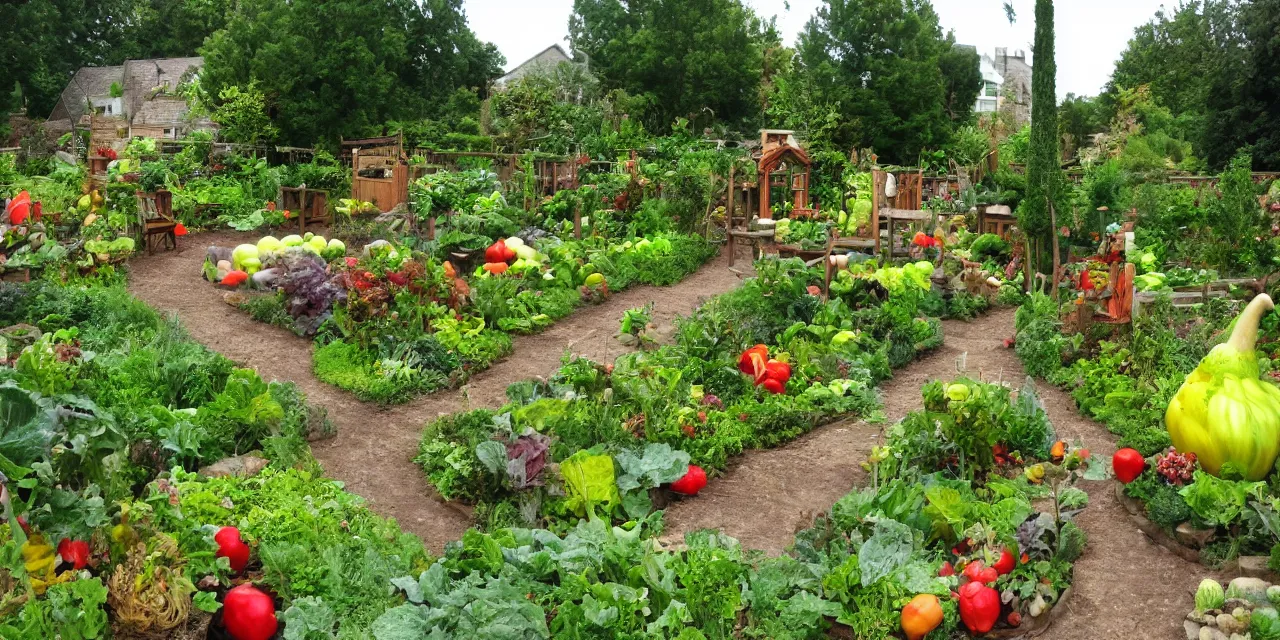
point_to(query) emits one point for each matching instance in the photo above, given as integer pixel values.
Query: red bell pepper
(74, 552)
(753, 360)
(779, 371)
(979, 607)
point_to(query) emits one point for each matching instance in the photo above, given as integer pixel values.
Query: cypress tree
(1043, 165)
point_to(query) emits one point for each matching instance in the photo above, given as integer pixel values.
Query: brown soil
(1126, 586)
(374, 446)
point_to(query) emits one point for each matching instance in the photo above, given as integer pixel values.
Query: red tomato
(691, 482)
(1128, 465)
(232, 547)
(249, 614)
(1005, 564)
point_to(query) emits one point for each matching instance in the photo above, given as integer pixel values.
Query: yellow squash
(1223, 412)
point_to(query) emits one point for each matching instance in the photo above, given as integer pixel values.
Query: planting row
(611, 438)
(391, 321)
(1190, 392)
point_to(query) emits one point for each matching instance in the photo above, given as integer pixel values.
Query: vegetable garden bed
(394, 322)
(1218, 511)
(652, 414)
(413, 315)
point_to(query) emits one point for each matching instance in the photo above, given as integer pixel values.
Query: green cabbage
(589, 481)
(1209, 595)
(241, 253)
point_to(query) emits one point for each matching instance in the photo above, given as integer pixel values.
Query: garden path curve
(373, 449)
(1126, 586)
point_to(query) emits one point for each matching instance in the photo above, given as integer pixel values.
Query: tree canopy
(336, 67)
(696, 59)
(885, 68)
(1212, 65)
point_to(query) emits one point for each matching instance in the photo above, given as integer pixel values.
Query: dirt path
(373, 450)
(1126, 586)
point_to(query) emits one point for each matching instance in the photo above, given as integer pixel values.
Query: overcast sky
(1090, 33)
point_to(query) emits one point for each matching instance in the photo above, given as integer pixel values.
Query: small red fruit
(231, 547)
(1005, 564)
(1128, 465)
(946, 570)
(1014, 619)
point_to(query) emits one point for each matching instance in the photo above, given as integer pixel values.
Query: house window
(991, 89)
(168, 133)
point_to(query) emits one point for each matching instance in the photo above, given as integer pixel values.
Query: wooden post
(826, 261)
(1027, 265)
(431, 227)
(577, 221)
(765, 212)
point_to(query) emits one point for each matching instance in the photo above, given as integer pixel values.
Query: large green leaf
(27, 427)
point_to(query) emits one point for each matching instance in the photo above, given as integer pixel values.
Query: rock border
(1155, 533)
(1136, 509)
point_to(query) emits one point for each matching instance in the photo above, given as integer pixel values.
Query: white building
(989, 96)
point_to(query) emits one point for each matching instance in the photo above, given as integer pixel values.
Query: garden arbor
(785, 165)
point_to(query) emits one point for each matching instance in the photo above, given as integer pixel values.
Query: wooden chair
(155, 217)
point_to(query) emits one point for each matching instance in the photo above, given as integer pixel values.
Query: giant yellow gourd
(1223, 412)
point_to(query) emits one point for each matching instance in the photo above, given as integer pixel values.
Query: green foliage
(320, 547)
(1044, 177)
(71, 611)
(410, 59)
(701, 61)
(920, 84)
(242, 117)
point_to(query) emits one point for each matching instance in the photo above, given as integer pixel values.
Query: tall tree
(172, 28)
(897, 82)
(695, 59)
(1079, 117)
(46, 41)
(962, 80)
(1244, 103)
(338, 67)
(1044, 165)
(1178, 56)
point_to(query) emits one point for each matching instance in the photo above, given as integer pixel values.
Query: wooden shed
(379, 170)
